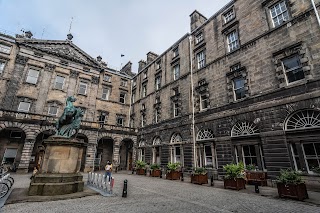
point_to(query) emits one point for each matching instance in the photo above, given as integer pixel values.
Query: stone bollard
(125, 187)
(160, 173)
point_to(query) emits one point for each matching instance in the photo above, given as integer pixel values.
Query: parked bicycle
(6, 181)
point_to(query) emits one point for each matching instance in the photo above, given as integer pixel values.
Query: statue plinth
(59, 172)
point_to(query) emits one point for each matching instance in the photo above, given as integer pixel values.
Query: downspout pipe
(316, 11)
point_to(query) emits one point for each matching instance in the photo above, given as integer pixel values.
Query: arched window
(244, 128)
(142, 143)
(205, 134)
(156, 141)
(141, 150)
(303, 119)
(176, 138)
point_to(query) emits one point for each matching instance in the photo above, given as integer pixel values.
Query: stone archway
(104, 152)
(126, 154)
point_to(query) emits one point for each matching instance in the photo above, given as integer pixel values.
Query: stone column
(26, 155)
(91, 153)
(116, 149)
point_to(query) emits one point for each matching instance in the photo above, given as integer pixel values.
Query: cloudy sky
(107, 27)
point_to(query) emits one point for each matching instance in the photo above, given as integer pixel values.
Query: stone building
(248, 78)
(36, 77)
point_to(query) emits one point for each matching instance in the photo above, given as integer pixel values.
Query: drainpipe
(192, 102)
(129, 118)
(316, 11)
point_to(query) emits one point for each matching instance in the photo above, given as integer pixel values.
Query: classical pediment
(64, 49)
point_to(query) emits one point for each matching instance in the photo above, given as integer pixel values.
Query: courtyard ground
(147, 194)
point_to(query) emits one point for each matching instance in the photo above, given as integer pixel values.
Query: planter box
(155, 173)
(237, 184)
(199, 179)
(295, 191)
(140, 171)
(256, 176)
(173, 175)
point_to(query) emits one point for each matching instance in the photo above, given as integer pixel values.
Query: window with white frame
(5, 48)
(158, 82)
(143, 120)
(133, 96)
(279, 13)
(204, 102)
(249, 155)
(201, 60)
(123, 83)
(120, 121)
(83, 88)
(32, 76)
(311, 152)
(296, 158)
(24, 106)
(175, 91)
(2, 65)
(143, 107)
(158, 64)
(175, 109)
(177, 154)
(238, 88)
(102, 119)
(105, 93)
(107, 78)
(228, 16)
(157, 115)
(233, 41)
(199, 38)
(59, 82)
(176, 72)
(141, 154)
(208, 155)
(145, 75)
(144, 90)
(134, 82)
(157, 100)
(122, 98)
(175, 52)
(292, 69)
(53, 110)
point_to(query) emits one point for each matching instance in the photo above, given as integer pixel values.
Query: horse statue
(69, 122)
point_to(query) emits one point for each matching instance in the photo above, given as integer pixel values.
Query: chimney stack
(142, 64)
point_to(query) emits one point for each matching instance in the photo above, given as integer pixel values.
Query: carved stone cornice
(49, 67)
(95, 80)
(21, 59)
(74, 74)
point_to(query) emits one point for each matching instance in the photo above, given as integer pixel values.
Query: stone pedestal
(59, 172)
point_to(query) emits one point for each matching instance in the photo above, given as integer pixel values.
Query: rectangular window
(208, 155)
(177, 154)
(175, 52)
(175, 109)
(123, 83)
(199, 38)
(176, 72)
(157, 100)
(228, 16)
(157, 115)
(145, 75)
(102, 119)
(204, 102)
(120, 121)
(293, 69)
(2, 64)
(105, 93)
(175, 91)
(24, 106)
(107, 78)
(311, 153)
(5, 48)
(132, 97)
(134, 83)
(53, 110)
(122, 98)
(83, 88)
(279, 13)
(141, 154)
(144, 90)
(32, 76)
(158, 64)
(238, 88)
(59, 82)
(249, 155)
(233, 41)
(143, 121)
(201, 60)
(158, 82)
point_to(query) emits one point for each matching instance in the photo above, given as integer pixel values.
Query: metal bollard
(211, 180)
(182, 176)
(160, 173)
(125, 187)
(256, 187)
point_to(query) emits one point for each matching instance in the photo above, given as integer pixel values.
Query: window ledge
(85, 95)
(61, 90)
(30, 84)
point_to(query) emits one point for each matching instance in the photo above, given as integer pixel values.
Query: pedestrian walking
(108, 169)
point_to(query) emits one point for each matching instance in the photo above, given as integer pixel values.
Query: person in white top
(108, 169)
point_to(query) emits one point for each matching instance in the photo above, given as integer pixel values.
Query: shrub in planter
(290, 185)
(253, 175)
(199, 176)
(155, 170)
(173, 172)
(140, 167)
(250, 167)
(234, 178)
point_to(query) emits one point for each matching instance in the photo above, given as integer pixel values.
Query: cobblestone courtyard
(146, 194)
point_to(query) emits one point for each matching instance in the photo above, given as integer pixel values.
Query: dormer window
(107, 78)
(199, 38)
(158, 64)
(123, 83)
(175, 52)
(145, 75)
(228, 16)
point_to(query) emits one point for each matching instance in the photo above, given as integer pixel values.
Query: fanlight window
(244, 128)
(142, 143)
(176, 138)
(303, 119)
(156, 141)
(205, 134)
